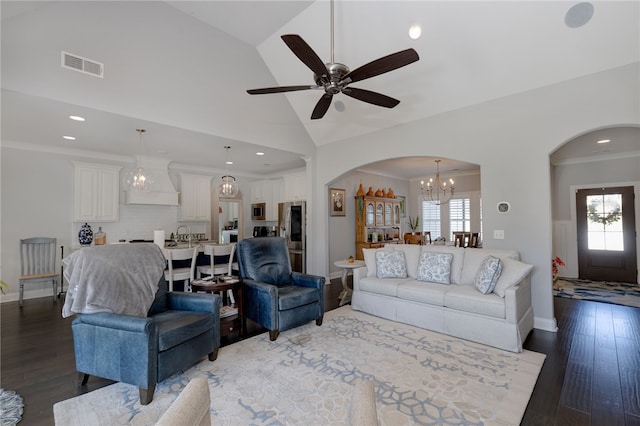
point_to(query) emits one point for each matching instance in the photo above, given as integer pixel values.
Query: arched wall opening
(582, 163)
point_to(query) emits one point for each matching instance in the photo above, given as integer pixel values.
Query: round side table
(345, 294)
(228, 324)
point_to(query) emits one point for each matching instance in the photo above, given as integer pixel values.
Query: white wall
(511, 139)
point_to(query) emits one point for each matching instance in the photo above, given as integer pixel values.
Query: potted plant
(413, 224)
(556, 262)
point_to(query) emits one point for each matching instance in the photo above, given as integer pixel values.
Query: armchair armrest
(358, 274)
(117, 321)
(209, 302)
(256, 296)
(306, 280)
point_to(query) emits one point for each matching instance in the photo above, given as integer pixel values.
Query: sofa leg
(213, 355)
(83, 378)
(319, 320)
(146, 395)
(273, 335)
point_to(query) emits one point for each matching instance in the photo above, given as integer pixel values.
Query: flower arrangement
(413, 224)
(556, 262)
(3, 285)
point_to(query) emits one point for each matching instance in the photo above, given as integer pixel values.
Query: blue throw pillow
(487, 276)
(435, 267)
(390, 264)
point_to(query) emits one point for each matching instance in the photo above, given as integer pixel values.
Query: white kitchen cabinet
(261, 191)
(268, 192)
(295, 187)
(195, 198)
(96, 195)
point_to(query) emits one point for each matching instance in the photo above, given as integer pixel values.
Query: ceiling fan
(335, 77)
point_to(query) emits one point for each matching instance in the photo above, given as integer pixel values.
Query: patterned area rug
(598, 291)
(307, 377)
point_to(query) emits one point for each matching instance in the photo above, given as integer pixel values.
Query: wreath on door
(609, 218)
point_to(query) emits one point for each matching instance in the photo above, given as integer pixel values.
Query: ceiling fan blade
(371, 97)
(280, 89)
(382, 65)
(305, 53)
(321, 107)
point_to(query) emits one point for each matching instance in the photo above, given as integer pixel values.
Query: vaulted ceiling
(181, 70)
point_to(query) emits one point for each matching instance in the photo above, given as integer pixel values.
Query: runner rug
(598, 291)
(307, 377)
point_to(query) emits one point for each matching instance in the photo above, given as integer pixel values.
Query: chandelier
(136, 179)
(437, 191)
(228, 188)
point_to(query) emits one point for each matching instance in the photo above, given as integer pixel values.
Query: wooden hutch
(377, 222)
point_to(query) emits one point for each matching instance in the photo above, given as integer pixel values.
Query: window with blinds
(459, 215)
(431, 219)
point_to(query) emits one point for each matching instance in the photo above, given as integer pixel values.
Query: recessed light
(228, 162)
(415, 32)
(69, 138)
(604, 141)
(259, 153)
(76, 118)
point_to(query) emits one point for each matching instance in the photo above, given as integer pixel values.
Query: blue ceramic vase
(85, 236)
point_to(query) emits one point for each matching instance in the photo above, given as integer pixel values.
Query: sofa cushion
(473, 258)
(513, 272)
(435, 267)
(488, 274)
(176, 327)
(422, 292)
(411, 257)
(390, 264)
(384, 286)
(456, 263)
(468, 299)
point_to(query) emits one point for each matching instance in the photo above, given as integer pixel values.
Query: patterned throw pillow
(435, 267)
(390, 264)
(488, 274)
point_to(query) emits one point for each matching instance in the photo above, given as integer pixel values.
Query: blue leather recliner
(273, 295)
(179, 330)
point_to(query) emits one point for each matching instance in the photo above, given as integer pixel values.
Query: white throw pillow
(513, 272)
(435, 267)
(390, 264)
(488, 274)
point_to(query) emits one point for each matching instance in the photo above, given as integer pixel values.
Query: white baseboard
(28, 294)
(545, 324)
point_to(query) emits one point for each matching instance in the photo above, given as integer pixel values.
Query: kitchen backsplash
(137, 222)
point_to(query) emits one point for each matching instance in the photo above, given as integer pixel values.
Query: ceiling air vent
(84, 65)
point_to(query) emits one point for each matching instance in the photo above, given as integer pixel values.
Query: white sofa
(502, 319)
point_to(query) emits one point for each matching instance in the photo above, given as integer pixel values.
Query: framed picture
(336, 202)
(503, 207)
(403, 206)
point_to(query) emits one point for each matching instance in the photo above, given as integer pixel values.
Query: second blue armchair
(273, 296)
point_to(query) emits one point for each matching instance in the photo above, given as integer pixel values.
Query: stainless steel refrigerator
(292, 226)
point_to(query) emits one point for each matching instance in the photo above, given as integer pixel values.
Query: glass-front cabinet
(377, 222)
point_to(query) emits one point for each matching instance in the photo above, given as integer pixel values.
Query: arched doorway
(581, 169)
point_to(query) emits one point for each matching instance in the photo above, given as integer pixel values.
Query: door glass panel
(604, 222)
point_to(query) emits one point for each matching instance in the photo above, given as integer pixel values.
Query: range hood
(162, 192)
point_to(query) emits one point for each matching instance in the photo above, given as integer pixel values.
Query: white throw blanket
(118, 278)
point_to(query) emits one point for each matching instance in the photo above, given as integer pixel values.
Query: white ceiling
(180, 70)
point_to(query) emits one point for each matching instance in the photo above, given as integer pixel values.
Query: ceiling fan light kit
(335, 78)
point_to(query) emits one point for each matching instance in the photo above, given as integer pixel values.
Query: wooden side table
(345, 294)
(230, 323)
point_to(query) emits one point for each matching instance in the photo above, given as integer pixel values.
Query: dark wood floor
(591, 375)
